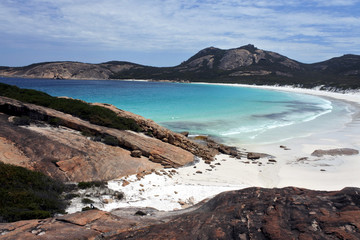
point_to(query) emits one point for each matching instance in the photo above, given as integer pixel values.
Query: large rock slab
(253, 213)
(67, 155)
(335, 152)
(171, 155)
(91, 224)
(53, 228)
(10, 154)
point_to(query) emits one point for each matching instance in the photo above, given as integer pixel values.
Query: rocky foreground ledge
(253, 213)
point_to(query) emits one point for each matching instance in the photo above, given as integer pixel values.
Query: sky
(167, 32)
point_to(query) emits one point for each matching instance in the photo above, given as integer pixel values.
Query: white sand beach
(293, 166)
(320, 173)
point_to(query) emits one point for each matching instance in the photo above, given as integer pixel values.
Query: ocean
(231, 114)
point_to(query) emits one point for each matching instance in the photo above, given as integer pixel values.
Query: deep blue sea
(234, 115)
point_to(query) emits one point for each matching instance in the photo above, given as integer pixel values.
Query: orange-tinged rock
(65, 154)
(82, 218)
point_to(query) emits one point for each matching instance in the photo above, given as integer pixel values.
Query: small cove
(232, 115)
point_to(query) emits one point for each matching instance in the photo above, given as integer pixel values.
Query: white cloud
(142, 25)
(337, 2)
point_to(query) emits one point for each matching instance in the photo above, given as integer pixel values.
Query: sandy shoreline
(351, 96)
(296, 167)
(293, 167)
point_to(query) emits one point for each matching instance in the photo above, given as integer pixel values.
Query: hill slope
(246, 64)
(68, 70)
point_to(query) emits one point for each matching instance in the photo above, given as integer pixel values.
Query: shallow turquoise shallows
(234, 115)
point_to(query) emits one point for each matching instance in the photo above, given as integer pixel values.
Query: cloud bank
(307, 31)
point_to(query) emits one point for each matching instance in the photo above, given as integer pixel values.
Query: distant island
(244, 65)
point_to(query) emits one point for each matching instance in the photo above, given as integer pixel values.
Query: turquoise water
(235, 115)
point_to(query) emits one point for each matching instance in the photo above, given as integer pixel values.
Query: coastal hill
(68, 70)
(246, 65)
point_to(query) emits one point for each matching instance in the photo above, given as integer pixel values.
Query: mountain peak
(209, 50)
(249, 47)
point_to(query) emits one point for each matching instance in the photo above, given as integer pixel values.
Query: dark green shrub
(97, 138)
(99, 184)
(87, 133)
(94, 114)
(87, 201)
(70, 187)
(56, 122)
(88, 208)
(35, 214)
(110, 140)
(26, 194)
(85, 185)
(70, 196)
(119, 195)
(149, 133)
(22, 121)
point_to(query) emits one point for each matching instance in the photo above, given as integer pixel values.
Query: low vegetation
(94, 114)
(87, 201)
(26, 194)
(22, 120)
(85, 185)
(98, 137)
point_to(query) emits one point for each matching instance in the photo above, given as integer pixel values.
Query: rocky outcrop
(91, 224)
(236, 58)
(71, 156)
(253, 156)
(253, 213)
(165, 135)
(207, 61)
(11, 154)
(65, 154)
(335, 152)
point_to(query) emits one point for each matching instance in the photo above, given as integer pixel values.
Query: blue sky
(167, 32)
